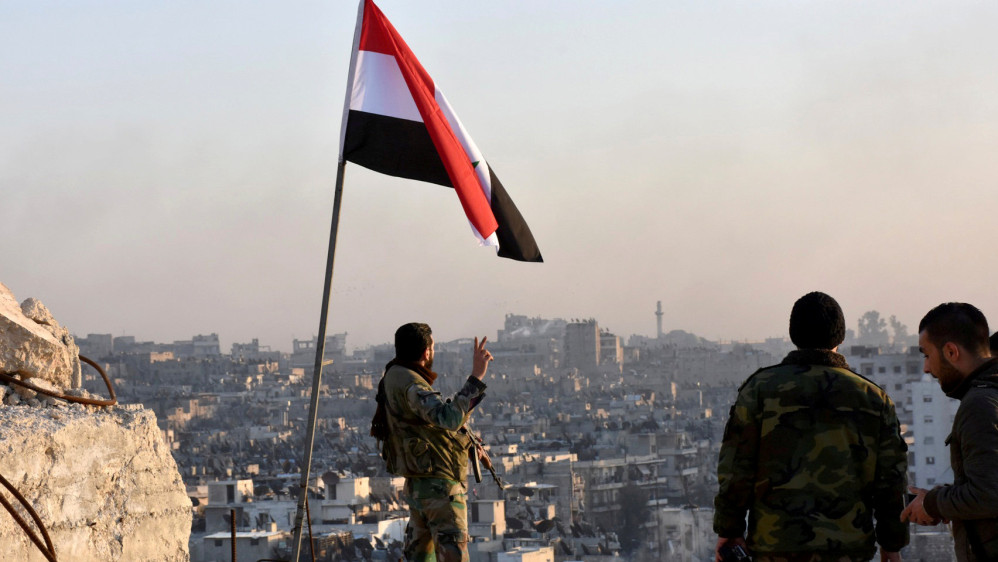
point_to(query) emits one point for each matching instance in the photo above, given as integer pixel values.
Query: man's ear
(426, 353)
(951, 352)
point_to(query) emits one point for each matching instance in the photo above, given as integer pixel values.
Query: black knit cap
(816, 322)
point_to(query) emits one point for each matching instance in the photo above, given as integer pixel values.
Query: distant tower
(658, 318)
(582, 345)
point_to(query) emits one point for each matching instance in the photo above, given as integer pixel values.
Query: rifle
(476, 452)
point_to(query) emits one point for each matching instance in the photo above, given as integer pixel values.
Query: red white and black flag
(398, 123)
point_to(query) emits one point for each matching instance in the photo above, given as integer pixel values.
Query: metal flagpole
(320, 345)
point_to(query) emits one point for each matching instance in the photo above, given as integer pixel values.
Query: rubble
(34, 345)
(38, 382)
(102, 481)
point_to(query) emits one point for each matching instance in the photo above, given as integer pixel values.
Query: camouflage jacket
(424, 438)
(971, 502)
(813, 453)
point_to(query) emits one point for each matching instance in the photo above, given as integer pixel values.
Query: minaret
(658, 318)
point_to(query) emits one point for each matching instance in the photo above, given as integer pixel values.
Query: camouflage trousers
(438, 520)
(809, 557)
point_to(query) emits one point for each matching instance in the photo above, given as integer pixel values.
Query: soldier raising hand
(418, 431)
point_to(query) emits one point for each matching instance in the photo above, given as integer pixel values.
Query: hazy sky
(167, 168)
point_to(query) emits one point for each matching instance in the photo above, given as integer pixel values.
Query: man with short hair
(422, 437)
(953, 337)
(812, 452)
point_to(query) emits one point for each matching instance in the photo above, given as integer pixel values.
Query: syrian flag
(398, 123)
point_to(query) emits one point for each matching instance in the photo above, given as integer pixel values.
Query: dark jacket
(971, 502)
(813, 453)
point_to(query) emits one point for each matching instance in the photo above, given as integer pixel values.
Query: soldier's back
(819, 430)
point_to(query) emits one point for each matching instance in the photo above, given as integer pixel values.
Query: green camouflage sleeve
(736, 466)
(891, 482)
(450, 413)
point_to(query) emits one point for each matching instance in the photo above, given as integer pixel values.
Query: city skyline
(226, 343)
(592, 431)
(168, 169)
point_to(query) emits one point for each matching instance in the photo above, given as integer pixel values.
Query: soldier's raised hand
(480, 359)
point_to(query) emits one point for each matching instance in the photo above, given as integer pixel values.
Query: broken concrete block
(28, 394)
(80, 393)
(102, 480)
(34, 309)
(34, 344)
